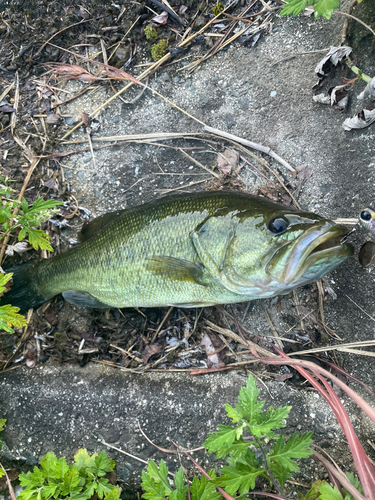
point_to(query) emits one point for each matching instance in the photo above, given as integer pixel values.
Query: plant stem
(356, 70)
(273, 480)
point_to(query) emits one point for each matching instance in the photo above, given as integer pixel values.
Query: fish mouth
(319, 249)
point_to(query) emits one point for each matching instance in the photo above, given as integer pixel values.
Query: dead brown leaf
(227, 161)
(150, 350)
(161, 19)
(360, 120)
(214, 349)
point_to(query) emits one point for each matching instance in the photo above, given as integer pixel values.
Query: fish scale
(188, 250)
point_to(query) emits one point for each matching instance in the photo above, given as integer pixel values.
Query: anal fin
(83, 299)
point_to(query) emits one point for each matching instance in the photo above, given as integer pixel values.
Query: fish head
(367, 219)
(276, 249)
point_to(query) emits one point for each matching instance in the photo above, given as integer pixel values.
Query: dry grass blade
(274, 331)
(237, 338)
(7, 90)
(122, 451)
(199, 164)
(341, 347)
(154, 136)
(359, 307)
(10, 488)
(249, 144)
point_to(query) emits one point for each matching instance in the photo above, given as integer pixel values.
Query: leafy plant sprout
(24, 219)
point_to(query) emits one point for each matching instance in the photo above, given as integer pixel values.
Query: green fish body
(187, 250)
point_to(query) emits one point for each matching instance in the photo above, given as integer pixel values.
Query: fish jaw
(319, 249)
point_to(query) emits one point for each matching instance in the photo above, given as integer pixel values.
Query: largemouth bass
(187, 250)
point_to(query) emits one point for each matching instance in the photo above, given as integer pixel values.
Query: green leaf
(9, 317)
(241, 476)
(114, 494)
(29, 495)
(280, 472)
(329, 493)
(203, 490)
(38, 239)
(295, 447)
(2, 423)
(154, 490)
(25, 206)
(325, 8)
(354, 481)
(294, 7)
(248, 405)
(71, 480)
(4, 278)
(22, 234)
(313, 493)
(90, 488)
(33, 479)
(103, 487)
(179, 483)
(159, 476)
(48, 464)
(232, 413)
(221, 441)
(239, 448)
(82, 460)
(61, 468)
(50, 490)
(103, 464)
(272, 419)
(40, 205)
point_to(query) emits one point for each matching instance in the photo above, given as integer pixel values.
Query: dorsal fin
(96, 225)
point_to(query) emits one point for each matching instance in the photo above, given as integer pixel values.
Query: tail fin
(24, 291)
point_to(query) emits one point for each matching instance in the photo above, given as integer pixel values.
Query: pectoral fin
(176, 269)
(83, 299)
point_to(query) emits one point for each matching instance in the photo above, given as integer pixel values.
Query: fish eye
(365, 215)
(278, 225)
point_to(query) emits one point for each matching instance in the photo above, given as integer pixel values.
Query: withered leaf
(366, 254)
(20, 247)
(332, 58)
(150, 350)
(12, 474)
(337, 97)
(360, 120)
(213, 346)
(52, 119)
(227, 161)
(50, 314)
(51, 184)
(7, 108)
(369, 90)
(303, 173)
(161, 19)
(86, 120)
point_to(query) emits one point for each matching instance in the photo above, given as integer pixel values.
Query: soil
(70, 400)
